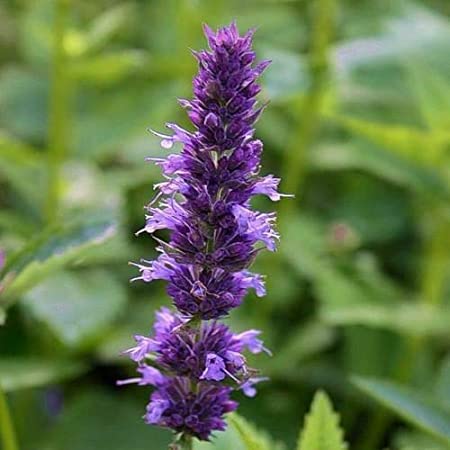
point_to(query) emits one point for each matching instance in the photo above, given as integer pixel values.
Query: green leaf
(106, 25)
(137, 319)
(77, 307)
(252, 438)
(111, 120)
(386, 165)
(35, 37)
(442, 387)
(306, 341)
(16, 224)
(432, 92)
(413, 440)
(23, 167)
(408, 318)
(288, 76)
(321, 430)
(100, 420)
(25, 96)
(422, 412)
(413, 144)
(52, 250)
(308, 233)
(227, 440)
(22, 372)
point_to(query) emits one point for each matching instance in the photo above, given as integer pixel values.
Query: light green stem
(309, 109)
(188, 444)
(307, 119)
(58, 111)
(7, 432)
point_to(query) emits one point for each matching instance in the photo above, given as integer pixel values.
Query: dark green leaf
(51, 250)
(442, 387)
(422, 412)
(24, 102)
(99, 420)
(22, 372)
(410, 319)
(386, 165)
(77, 308)
(413, 144)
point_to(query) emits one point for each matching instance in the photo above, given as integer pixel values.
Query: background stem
(59, 111)
(307, 119)
(8, 435)
(308, 116)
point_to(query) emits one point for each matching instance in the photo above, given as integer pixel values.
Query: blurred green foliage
(359, 293)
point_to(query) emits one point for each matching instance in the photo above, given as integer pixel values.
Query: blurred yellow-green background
(358, 128)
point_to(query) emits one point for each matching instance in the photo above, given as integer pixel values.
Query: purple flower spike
(204, 204)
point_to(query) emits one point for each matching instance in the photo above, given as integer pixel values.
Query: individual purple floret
(214, 235)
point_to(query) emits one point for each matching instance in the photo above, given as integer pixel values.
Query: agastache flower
(175, 405)
(214, 236)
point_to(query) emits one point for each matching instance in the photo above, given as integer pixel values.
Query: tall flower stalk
(193, 361)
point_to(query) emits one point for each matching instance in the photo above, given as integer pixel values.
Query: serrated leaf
(51, 250)
(22, 372)
(77, 307)
(421, 411)
(251, 437)
(321, 430)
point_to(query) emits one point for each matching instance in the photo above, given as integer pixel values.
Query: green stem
(58, 111)
(309, 110)
(188, 443)
(308, 114)
(184, 442)
(8, 435)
